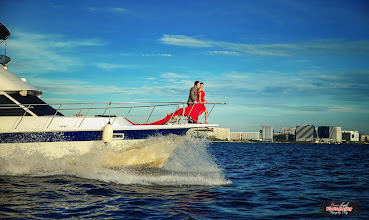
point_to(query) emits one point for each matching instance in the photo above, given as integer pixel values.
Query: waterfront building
(364, 138)
(235, 136)
(267, 133)
(329, 134)
(289, 130)
(238, 136)
(220, 134)
(284, 137)
(305, 133)
(212, 133)
(350, 136)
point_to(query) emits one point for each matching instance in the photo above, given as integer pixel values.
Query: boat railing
(112, 110)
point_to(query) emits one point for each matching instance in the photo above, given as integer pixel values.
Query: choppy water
(202, 181)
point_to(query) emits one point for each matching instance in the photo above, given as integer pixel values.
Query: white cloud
(118, 10)
(111, 66)
(327, 46)
(146, 54)
(40, 53)
(181, 40)
(171, 76)
(231, 53)
(108, 9)
(156, 55)
(73, 87)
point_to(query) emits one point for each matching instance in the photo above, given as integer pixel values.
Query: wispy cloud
(56, 6)
(69, 88)
(229, 53)
(304, 92)
(146, 54)
(118, 10)
(46, 52)
(156, 55)
(172, 75)
(298, 86)
(108, 9)
(327, 46)
(74, 87)
(181, 40)
(111, 66)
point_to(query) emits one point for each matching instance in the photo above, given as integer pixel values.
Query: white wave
(190, 164)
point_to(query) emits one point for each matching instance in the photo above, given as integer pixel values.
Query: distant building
(323, 132)
(238, 136)
(338, 134)
(235, 136)
(267, 133)
(212, 133)
(289, 130)
(350, 136)
(364, 138)
(305, 133)
(255, 136)
(329, 134)
(220, 133)
(284, 137)
(280, 137)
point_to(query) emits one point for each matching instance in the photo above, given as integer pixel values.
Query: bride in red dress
(199, 106)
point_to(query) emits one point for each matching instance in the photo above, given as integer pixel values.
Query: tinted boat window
(29, 99)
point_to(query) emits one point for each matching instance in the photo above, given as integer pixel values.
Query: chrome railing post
(107, 105)
(118, 114)
(25, 112)
(211, 110)
(56, 112)
(129, 112)
(173, 114)
(150, 114)
(86, 115)
(145, 115)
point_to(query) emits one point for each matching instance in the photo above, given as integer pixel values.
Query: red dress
(193, 111)
(198, 109)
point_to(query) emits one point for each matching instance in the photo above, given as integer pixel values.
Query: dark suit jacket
(193, 96)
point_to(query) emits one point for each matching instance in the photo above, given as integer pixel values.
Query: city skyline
(287, 62)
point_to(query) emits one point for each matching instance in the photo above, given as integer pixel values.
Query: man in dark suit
(192, 98)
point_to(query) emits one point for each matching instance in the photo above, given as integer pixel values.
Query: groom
(192, 98)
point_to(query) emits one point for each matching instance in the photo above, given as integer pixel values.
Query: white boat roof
(9, 82)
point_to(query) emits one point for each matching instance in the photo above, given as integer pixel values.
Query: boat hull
(126, 150)
(68, 136)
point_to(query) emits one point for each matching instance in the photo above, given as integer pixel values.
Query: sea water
(202, 180)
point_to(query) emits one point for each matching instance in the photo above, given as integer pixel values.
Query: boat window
(6, 110)
(39, 110)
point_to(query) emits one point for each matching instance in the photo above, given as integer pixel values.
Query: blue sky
(296, 62)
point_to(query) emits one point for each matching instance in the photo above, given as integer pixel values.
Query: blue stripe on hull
(26, 137)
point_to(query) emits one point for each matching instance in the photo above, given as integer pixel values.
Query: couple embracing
(196, 100)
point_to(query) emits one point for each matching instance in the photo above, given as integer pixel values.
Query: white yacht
(29, 124)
